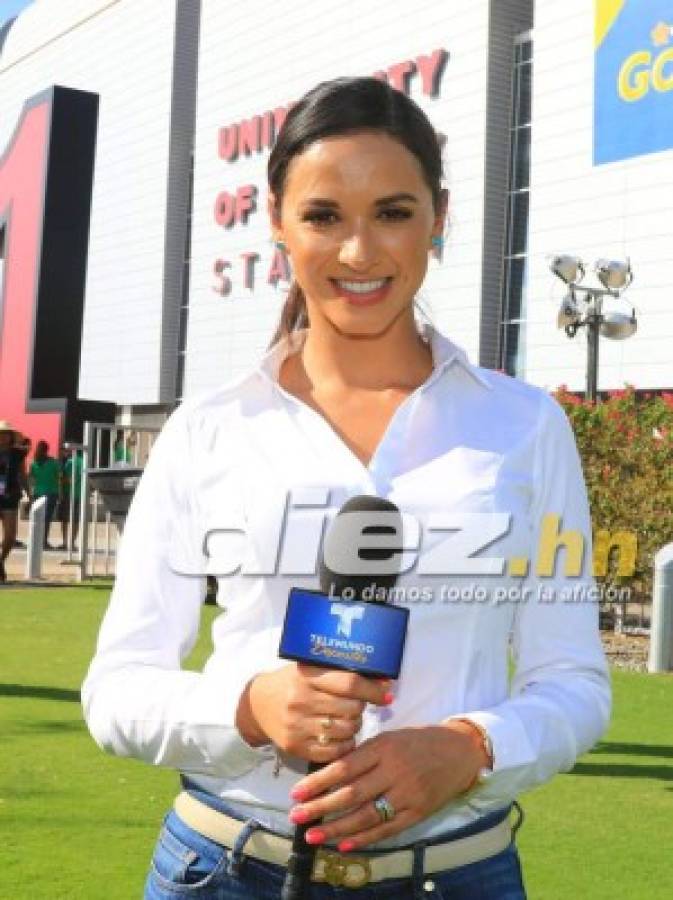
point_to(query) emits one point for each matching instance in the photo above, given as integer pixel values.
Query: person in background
(71, 477)
(124, 449)
(44, 480)
(12, 483)
(24, 445)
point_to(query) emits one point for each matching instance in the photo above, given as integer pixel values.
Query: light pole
(582, 307)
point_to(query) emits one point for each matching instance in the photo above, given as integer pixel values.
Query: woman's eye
(395, 214)
(320, 217)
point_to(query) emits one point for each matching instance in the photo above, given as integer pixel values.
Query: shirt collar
(444, 354)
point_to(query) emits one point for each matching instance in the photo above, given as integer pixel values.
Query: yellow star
(660, 34)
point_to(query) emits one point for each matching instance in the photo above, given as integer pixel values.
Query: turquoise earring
(281, 246)
(437, 242)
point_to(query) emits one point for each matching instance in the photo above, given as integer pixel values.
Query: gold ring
(327, 722)
(324, 739)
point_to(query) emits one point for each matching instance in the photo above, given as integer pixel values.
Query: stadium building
(136, 264)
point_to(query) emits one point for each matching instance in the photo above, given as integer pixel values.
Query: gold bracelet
(483, 774)
(486, 741)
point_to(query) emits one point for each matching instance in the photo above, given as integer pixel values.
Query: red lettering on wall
(225, 209)
(248, 136)
(227, 142)
(279, 116)
(251, 135)
(235, 208)
(268, 135)
(279, 270)
(249, 260)
(223, 285)
(246, 197)
(431, 69)
(399, 75)
(257, 133)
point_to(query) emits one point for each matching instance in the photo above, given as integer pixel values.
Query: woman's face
(357, 219)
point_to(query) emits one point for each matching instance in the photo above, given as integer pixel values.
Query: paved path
(55, 565)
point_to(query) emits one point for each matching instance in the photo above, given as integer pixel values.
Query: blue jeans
(187, 864)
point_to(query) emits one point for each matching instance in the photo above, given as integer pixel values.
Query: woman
(353, 398)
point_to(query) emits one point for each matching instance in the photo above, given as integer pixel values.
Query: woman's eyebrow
(397, 198)
(321, 201)
(382, 201)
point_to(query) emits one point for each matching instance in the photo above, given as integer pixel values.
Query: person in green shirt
(44, 479)
(70, 483)
(124, 449)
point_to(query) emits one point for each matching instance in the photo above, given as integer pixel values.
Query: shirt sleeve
(137, 700)
(560, 698)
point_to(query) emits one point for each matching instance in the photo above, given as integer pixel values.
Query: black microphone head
(362, 548)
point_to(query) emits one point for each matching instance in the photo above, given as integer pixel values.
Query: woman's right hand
(292, 706)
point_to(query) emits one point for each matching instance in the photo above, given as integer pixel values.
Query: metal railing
(106, 447)
(74, 452)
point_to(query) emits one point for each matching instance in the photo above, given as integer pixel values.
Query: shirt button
(428, 885)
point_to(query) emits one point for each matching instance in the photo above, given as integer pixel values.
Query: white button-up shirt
(469, 445)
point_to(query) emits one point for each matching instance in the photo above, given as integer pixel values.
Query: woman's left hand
(418, 770)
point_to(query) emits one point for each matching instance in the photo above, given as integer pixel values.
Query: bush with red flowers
(626, 445)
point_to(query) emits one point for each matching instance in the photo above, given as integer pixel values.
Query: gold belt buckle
(341, 871)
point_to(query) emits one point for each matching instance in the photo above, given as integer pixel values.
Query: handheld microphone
(365, 538)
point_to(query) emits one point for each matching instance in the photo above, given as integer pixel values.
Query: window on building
(513, 305)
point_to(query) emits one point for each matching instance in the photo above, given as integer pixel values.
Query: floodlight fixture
(613, 274)
(569, 312)
(618, 326)
(583, 307)
(569, 269)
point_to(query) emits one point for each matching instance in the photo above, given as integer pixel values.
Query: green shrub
(626, 445)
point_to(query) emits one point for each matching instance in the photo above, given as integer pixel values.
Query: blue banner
(633, 83)
(343, 634)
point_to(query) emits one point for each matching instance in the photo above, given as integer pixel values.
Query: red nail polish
(315, 836)
(388, 698)
(298, 793)
(346, 846)
(298, 816)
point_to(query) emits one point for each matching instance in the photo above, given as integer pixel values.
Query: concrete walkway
(55, 566)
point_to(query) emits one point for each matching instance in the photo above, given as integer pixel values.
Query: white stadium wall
(256, 57)
(122, 51)
(594, 192)
(616, 209)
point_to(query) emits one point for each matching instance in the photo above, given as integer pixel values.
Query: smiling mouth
(361, 287)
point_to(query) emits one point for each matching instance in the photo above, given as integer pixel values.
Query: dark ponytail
(346, 106)
(293, 315)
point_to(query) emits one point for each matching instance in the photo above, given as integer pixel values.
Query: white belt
(346, 870)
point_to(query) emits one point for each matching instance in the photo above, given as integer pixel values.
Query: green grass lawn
(75, 823)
